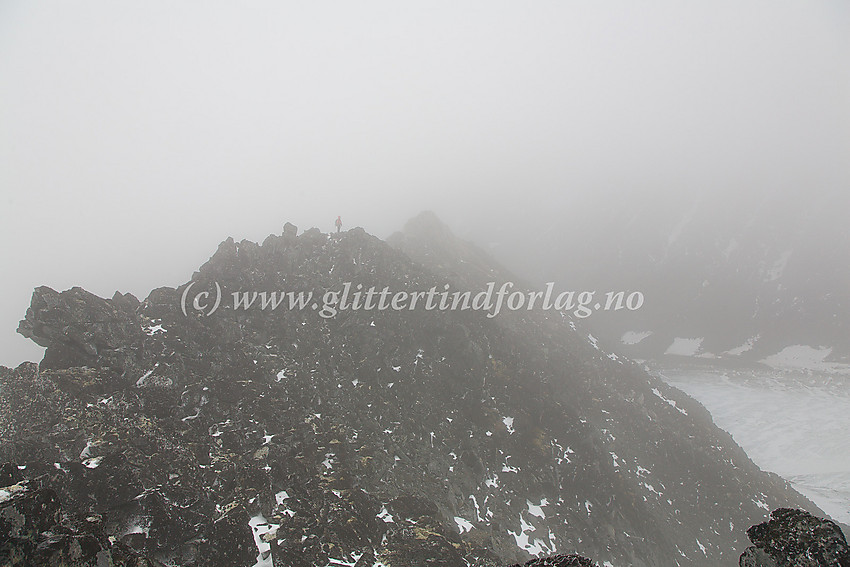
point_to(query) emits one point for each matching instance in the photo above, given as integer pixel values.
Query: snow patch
(634, 337)
(658, 393)
(684, 347)
(260, 527)
(141, 380)
(463, 525)
(93, 463)
(537, 509)
(748, 345)
(805, 357)
(385, 515)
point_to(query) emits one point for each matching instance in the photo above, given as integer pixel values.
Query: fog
(136, 137)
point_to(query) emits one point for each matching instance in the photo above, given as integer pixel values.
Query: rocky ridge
(396, 438)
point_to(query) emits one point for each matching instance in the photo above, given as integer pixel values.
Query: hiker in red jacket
(338, 223)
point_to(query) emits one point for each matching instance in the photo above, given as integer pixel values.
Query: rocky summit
(199, 428)
(794, 538)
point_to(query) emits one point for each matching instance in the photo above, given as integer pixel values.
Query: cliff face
(371, 437)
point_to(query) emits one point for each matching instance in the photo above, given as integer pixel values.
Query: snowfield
(796, 424)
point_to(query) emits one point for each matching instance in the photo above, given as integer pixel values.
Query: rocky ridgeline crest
(370, 438)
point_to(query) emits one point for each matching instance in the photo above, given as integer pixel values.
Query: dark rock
(290, 229)
(560, 561)
(795, 538)
(35, 531)
(10, 474)
(25, 514)
(80, 329)
(126, 301)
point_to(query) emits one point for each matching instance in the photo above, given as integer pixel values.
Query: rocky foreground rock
(399, 437)
(794, 538)
(35, 530)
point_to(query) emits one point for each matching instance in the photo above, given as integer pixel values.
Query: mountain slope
(372, 437)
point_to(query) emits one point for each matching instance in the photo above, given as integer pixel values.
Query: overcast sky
(134, 137)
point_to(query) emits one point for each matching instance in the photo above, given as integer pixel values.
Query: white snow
(536, 547)
(92, 463)
(385, 515)
(748, 345)
(684, 347)
(137, 528)
(805, 357)
(7, 492)
(507, 467)
(509, 423)
(537, 509)
(634, 337)
(191, 417)
(792, 423)
(477, 508)
(615, 459)
(463, 525)
(141, 380)
(260, 527)
(151, 330)
(658, 393)
(351, 562)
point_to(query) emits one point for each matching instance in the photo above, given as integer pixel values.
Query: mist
(135, 138)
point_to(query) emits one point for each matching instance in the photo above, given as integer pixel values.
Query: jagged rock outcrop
(210, 433)
(795, 538)
(80, 329)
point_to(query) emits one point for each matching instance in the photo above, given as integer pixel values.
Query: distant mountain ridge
(740, 276)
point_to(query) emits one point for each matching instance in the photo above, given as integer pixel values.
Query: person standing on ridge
(338, 223)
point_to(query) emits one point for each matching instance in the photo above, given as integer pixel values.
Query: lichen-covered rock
(795, 538)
